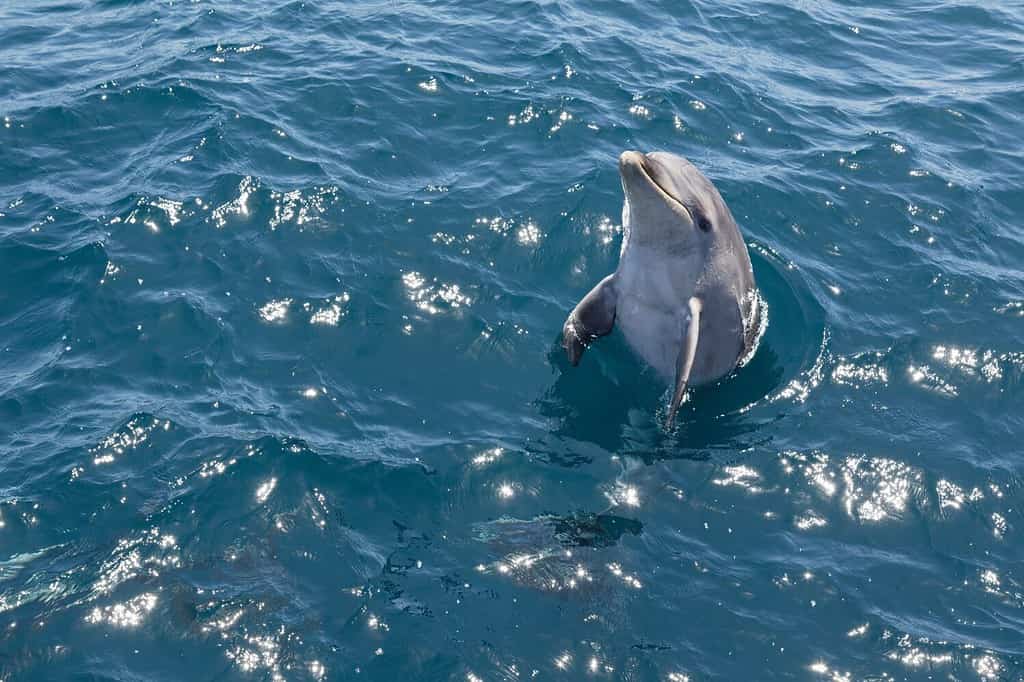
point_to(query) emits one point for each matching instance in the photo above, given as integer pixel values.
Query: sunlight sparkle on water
(624, 494)
(858, 631)
(562, 118)
(951, 496)
(640, 111)
(926, 377)
(329, 315)
(527, 115)
(872, 488)
(607, 230)
(877, 488)
(630, 580)
(172, 209)
(809, 520)
(264, 490)
(528, 234)
(858, 373)
(262, 651)
(741, 476)
(239, 205)
(988, 667)
(301, 208)
(800, 388)
(427, 296)
(488, 457)
(275, 310)
(127, 614)
(970, 361)
(998, 524)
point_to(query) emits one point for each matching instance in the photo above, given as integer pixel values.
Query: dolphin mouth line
(647, 174)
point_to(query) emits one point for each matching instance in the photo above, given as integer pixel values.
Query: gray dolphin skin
(683, 293)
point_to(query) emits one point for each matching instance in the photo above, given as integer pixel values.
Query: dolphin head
(667, 200)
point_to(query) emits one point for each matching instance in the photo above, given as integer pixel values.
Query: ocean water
(281, 396)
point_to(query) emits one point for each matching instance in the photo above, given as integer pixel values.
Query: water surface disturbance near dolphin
(683, 293)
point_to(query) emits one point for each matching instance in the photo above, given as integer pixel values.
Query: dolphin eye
(700, 219)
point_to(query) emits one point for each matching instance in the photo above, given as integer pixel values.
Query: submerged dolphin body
(683, 293)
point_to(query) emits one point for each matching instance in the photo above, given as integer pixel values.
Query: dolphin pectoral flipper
(593, 317)
(687, 354)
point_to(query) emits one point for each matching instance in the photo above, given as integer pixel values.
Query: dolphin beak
(637, 172)
(631, 164)
(637, 179)
(641, 187)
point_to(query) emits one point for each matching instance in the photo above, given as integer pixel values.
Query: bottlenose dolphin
(683, 293)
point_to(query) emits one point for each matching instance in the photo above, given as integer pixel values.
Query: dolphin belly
(654, 332)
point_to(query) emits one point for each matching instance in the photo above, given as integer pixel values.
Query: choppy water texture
(280, 393)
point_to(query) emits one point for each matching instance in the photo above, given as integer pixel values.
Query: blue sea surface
(281, 391)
